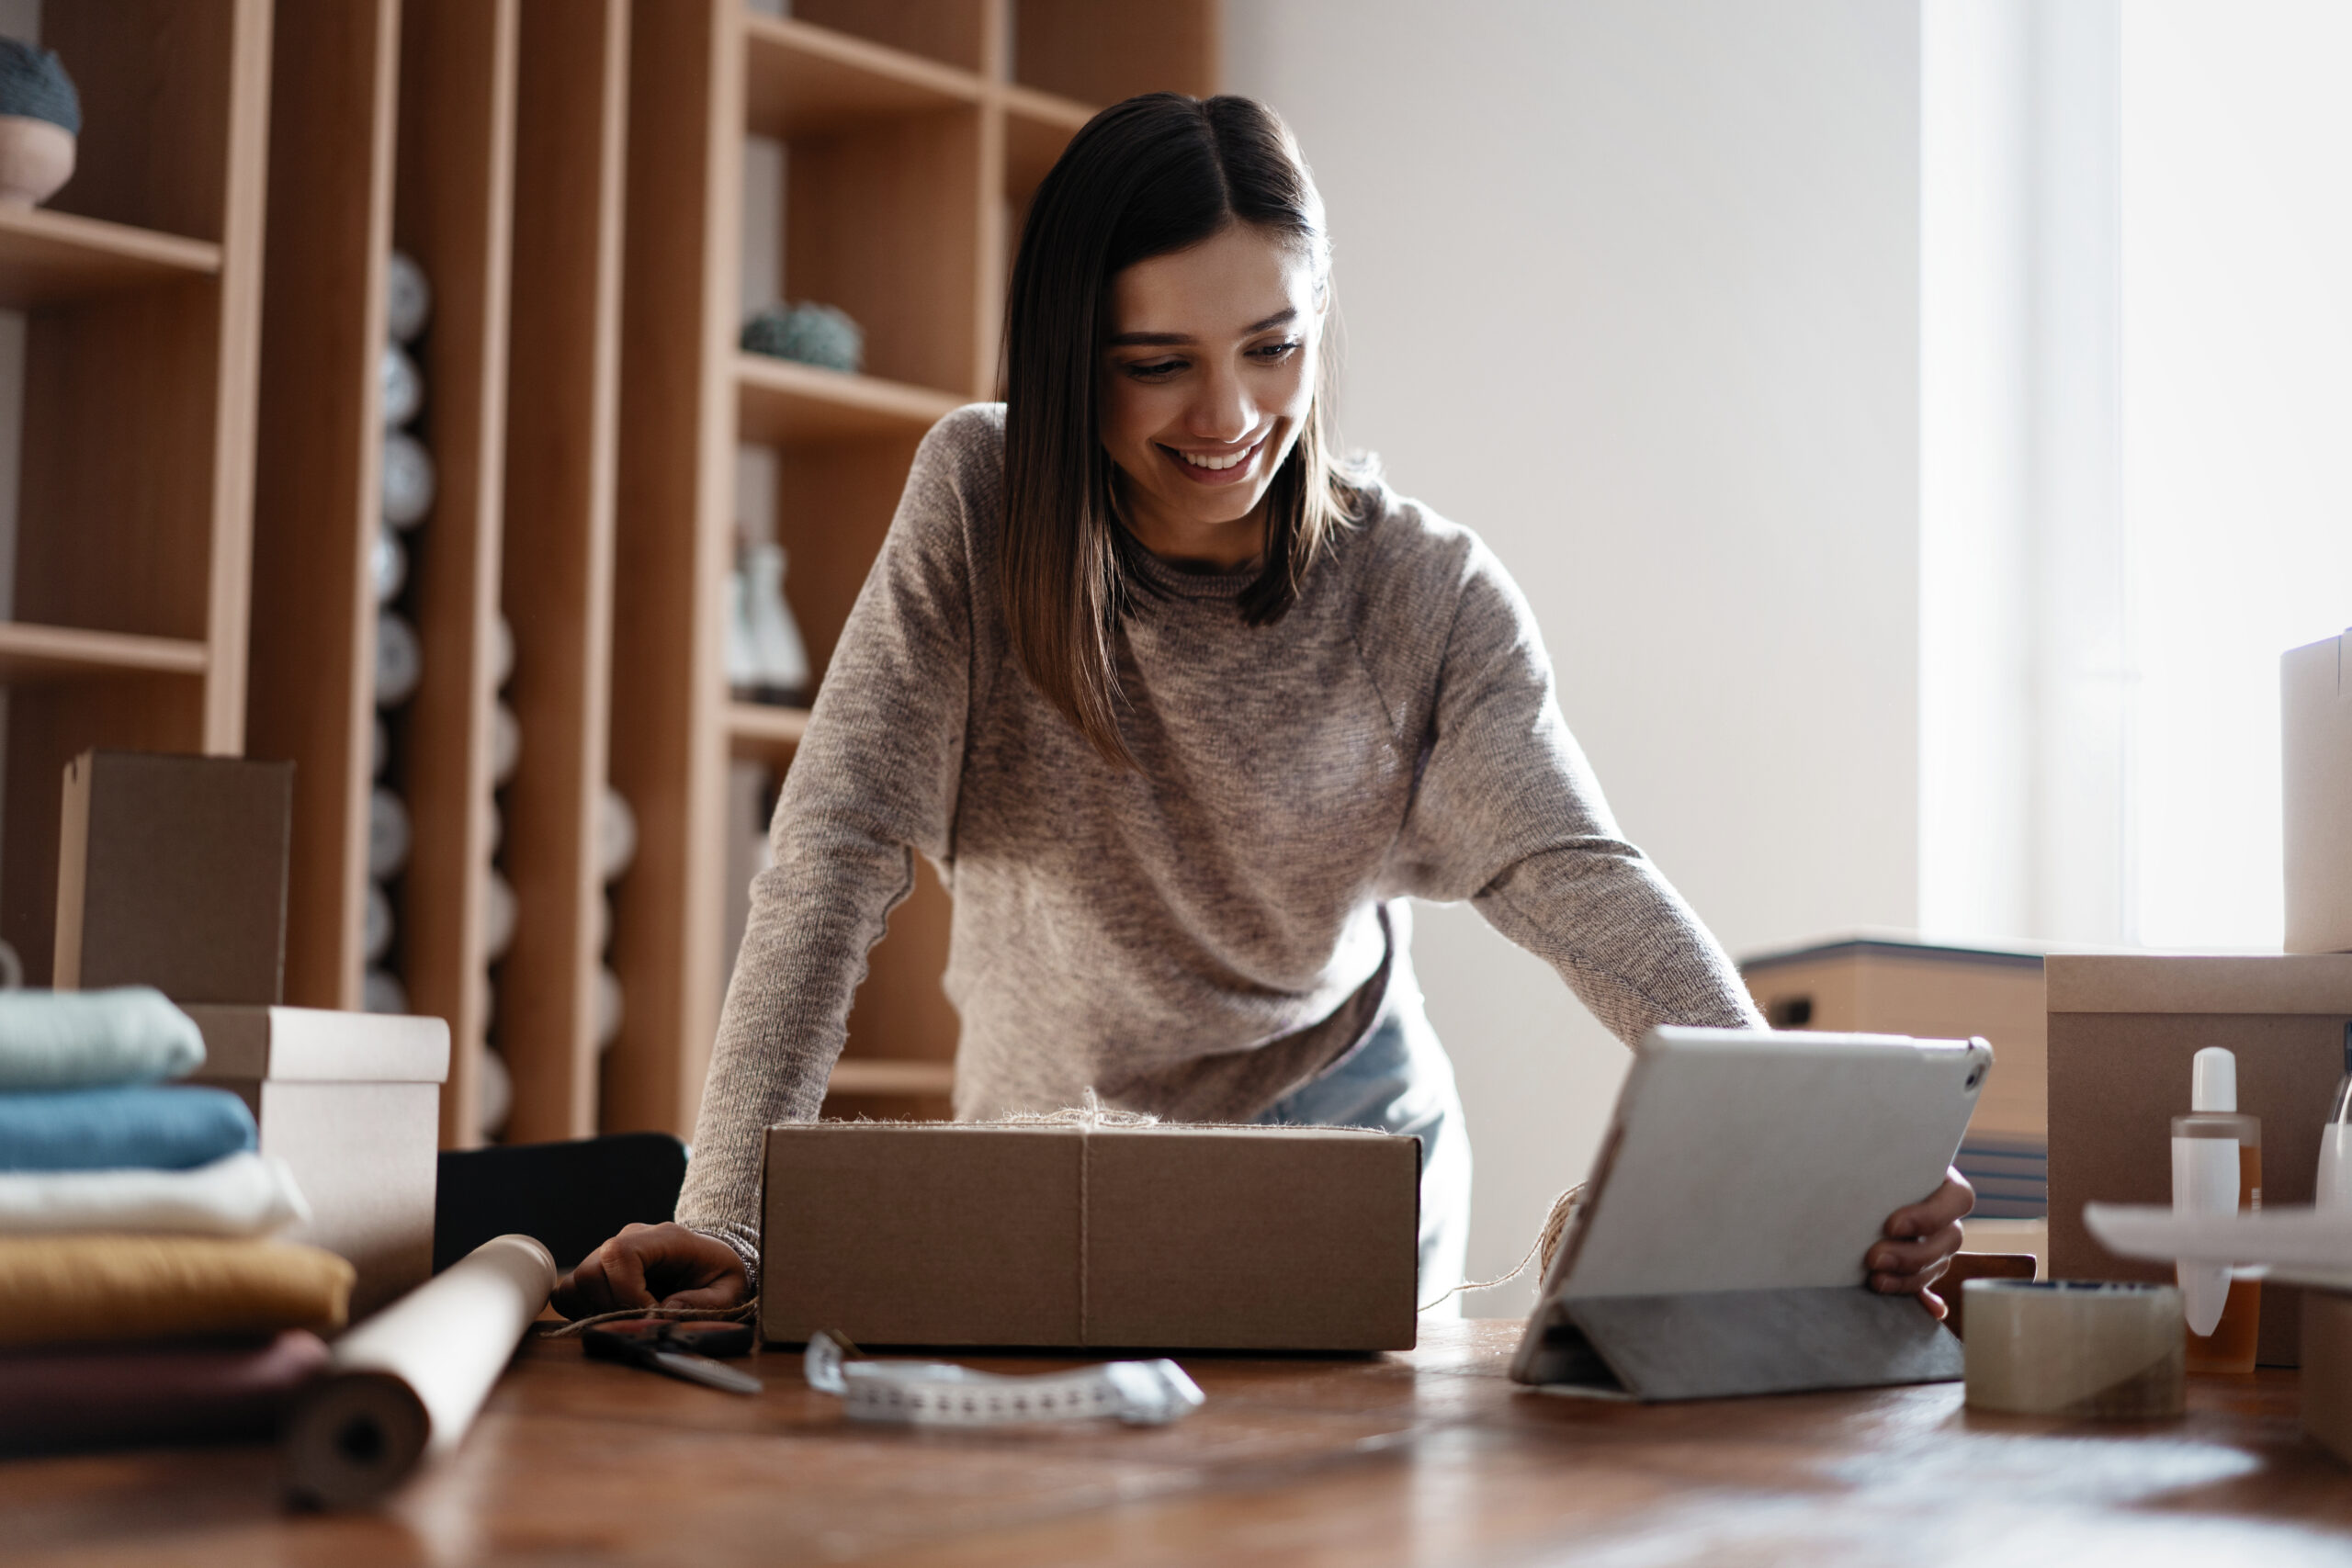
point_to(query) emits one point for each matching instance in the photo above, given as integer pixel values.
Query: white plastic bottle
(2217, 1168)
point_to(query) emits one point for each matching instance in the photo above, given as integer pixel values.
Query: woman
(1184, 706)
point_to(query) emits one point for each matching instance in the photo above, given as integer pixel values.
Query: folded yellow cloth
(57, 1289)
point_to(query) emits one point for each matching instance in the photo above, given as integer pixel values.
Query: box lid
(1896, 944)
(2200, 983)
(317, 1045)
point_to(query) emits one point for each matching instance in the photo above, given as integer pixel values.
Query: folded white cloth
(241, 1195)
(84, 1039)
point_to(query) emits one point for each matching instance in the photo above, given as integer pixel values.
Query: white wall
(1630, 287)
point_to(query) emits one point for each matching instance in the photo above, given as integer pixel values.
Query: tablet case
(1744, 1175)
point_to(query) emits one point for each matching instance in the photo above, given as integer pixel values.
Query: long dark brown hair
(1146, 177)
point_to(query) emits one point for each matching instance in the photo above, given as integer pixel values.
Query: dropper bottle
(2217, 1167)
(2334, 1187)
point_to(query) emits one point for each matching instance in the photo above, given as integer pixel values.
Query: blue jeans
(1400, 1080)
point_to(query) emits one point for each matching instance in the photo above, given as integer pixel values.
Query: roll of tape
(2075, 1348)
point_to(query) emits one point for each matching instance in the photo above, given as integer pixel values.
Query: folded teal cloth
(137, 1126)
(70, 1038)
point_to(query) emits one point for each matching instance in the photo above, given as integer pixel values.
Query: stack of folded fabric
(141, 1296)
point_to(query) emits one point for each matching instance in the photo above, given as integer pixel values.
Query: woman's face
(1208, 370)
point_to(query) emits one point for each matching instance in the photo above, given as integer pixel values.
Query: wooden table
(1428, 1458)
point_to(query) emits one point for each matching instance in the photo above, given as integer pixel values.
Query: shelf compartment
(55, 258)
(1103, 51)
(33, 655)
(1037, 126)
(780, 402)
(804, 81)
(960, 33)
(874, 1075)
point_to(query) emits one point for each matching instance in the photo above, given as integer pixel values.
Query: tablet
(1751, 1162)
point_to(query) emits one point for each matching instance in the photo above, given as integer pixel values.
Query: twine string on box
(1546, 1245)
(737, 1314)
(1086, 1117)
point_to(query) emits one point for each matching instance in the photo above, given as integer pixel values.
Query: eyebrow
(1176, 340)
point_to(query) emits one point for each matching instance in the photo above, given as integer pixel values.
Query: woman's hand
(1920, 1240)
(664, 1265)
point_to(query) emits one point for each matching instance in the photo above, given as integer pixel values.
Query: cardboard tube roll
(2075, 1348)
(403, 1386)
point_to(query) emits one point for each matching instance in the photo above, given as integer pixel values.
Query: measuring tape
(939, 1393)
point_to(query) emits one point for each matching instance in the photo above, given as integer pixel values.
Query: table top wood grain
(1431, 1457)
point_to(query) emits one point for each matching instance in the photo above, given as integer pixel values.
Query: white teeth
(1217, 464)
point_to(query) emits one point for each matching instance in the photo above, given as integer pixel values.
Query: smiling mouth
(1212, 467)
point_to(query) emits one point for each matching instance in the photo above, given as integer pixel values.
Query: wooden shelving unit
(142, 283)
(916, 131)
(202, 469)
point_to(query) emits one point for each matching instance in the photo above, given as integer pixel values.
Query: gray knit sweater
(1198, 938)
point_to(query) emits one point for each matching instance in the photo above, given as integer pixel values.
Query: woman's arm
(872, 782)
(1508, 815)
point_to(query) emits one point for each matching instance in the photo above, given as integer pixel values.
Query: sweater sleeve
(873, 781)
(1508, 814)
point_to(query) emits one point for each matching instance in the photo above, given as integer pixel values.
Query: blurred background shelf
(30, 654)
(780, 402)
(806, 81)
(53, 258)
(759, 730)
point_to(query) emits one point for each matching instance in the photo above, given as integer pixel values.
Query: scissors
(681, 1349)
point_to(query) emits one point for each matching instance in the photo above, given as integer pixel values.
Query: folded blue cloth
(137, 1126)
(72, 1039)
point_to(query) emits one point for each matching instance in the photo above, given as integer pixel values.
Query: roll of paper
(405, 1385)
(2075, 1348)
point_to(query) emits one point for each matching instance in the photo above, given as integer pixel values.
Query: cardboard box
(2123, 1031)
(2327, 1370)
(1887, 984)
(171, 872)
(352, 1102)
(1164, 1237)
(2315, 733)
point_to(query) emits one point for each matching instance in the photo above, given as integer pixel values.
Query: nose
(1222, 409)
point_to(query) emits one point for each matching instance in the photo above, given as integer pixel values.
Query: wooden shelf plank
(34, 653)
(54, 258)
(869, 1074)
(762, 731)
(800, 80)
(780, 402)
(453, 213)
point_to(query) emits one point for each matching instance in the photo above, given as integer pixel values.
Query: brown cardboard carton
(2316, 732)
(352, 1102)
(1166, 1237)
(1889, 985)
(172, 873)
(2123, 1028)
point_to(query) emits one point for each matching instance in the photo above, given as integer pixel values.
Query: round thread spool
(408, 299)
(2076, 1347)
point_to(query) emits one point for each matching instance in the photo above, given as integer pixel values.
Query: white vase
(781, 657)
(742, 649)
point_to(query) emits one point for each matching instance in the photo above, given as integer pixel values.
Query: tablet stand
(1720, 1344)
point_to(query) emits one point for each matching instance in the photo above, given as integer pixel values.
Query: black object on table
(573, 1196)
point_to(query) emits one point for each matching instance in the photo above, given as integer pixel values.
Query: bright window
(2236, 326)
